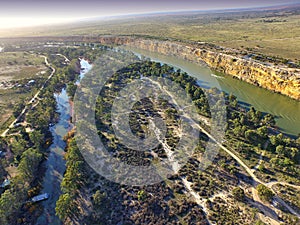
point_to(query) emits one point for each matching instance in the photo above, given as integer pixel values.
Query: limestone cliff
(275, 78)
(278, 79)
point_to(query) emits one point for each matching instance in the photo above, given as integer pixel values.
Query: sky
(21, 13)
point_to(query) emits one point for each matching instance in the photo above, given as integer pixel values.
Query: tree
(142, 195)
(231, 97)
(65, 206)
(294, 153)
(37, 138)
(274, 140)
(30, 161)
(198, 94)
(71, 90)
(72, 70)
(264, 193)
(298, 139)
(238, 131)
(280, 138)
(74, 176)
(275, 162)
(250, 135)
(261, 168)
(10, 203)
(18, 147)
(18, 108)
(233, 101)
(254, 116)
(238, 194)
(280, 150)
(269, 120)
(263, 132)
(99, 198)
(287, 162)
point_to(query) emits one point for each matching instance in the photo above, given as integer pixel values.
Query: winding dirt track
(239, 161)
(4, 134)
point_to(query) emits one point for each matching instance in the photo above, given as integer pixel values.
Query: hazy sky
(32, 12)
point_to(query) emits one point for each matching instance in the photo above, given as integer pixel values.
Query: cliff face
(278, 79)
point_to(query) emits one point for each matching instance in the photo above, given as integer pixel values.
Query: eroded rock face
(278, 79)
(275, 78)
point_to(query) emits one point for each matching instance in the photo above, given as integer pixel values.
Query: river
(55, 164)
(285, 109)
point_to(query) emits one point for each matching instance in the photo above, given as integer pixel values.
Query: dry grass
(277, 32)
(19, 65)
(16, 66)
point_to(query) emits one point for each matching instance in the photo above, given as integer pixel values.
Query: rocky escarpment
(275, 78)
(280, 79)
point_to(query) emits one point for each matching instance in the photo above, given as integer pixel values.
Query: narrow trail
(65, 57)
(261, 157)
(200, 201)
(4, 134)
(269, 215)
(250, 172)
(176, 168)
(271, 184)
(259, 162)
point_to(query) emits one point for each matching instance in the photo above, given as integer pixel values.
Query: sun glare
(15, 22)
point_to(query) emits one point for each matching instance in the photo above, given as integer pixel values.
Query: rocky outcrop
(275, 78)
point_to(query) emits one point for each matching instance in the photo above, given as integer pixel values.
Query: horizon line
(66, 20)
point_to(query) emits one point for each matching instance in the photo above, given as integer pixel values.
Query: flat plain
(274, 32)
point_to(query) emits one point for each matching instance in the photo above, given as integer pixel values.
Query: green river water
(285, 109)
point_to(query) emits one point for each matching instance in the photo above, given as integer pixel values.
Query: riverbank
(262, 72)
(284, 109)
(56, 164)
(276, 78)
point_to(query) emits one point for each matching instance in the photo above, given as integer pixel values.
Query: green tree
(250, 135)
(263, 131)
(264, 193)
(238, 194)
(232, 97)
(10, 204)
(254, 116)
(65, 206)
(298, 139)
(269, 120)
(238, 131)
(18, 147)
(142, 195)
(280, 150)
(274, 140)
(30, 161)
(18, 108)
(261, 168)
(71, 89)
(37, 138)
(99, 198)
(74, 177)
(294, 153)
